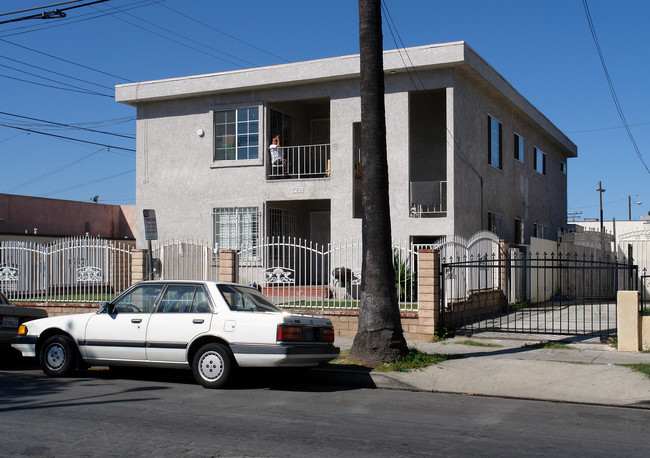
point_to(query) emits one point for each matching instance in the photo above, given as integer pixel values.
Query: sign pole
(150, 233)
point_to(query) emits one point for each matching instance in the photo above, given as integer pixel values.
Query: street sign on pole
(150, 226)
(150, 233)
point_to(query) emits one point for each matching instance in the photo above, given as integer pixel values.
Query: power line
(52, 172)
(82, 91)
(88, 183)
(67, 138)
(131, 137)
(605, 128)
(58, 13)
(57, 73)
(184, 44)
(65, 60)
(222, 32)
(40, 7)
(611, 86)
(80, 18)
(402, 47)
(55, 81)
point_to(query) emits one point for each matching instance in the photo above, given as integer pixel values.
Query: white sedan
(209, 327)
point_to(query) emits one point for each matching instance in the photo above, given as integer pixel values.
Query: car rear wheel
(58, 356)
(212, 365)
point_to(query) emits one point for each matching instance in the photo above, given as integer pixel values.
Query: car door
(121, 335)
(184, 313)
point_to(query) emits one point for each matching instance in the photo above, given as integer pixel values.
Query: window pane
(220, 117)
(177, 299)
(495, 142)
(235, 132)
(141, 299)
(201, 303)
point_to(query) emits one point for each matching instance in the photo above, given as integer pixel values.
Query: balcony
(428, 199)
(299, 162)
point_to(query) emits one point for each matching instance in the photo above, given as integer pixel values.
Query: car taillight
(327, 334)
(289, 333)
(22, 330)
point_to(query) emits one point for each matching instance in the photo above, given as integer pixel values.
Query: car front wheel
(57, 356)
(212, 365)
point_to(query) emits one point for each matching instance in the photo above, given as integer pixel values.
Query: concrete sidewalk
(516, 368)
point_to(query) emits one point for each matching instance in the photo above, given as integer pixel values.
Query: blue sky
(544, 49)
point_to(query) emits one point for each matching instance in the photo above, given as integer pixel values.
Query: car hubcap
(211, 366)
(55, 356)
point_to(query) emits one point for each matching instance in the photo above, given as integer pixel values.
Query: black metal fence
(546, 294)
(644, 304)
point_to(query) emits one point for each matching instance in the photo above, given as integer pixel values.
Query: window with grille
(238, 229)
(282, 222)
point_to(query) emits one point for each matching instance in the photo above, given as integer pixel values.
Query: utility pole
(629, 207)
(601, 191)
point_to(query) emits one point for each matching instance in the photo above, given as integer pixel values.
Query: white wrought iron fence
(185, 260)
(301, 161)
(296, 273)
(73, 269)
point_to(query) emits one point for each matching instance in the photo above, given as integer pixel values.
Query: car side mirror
(106, 307)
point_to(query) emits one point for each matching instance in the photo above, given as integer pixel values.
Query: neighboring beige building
(466, 152)
(30, 217)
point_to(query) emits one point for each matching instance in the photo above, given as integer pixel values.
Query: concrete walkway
(586, 372)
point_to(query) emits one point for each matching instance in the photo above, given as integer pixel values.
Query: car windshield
(243, 298)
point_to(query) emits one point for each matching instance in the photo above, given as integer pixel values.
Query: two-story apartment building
(466, 152)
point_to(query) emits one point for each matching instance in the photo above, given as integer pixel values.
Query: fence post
(428, 292)
(504, 255)
(228, 265)
(138, 265)
(627, 309)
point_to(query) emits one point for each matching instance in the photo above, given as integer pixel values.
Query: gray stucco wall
(177, 177)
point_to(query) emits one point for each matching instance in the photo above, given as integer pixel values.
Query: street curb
(359, 378)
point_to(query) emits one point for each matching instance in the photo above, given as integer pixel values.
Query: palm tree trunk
(379, 337)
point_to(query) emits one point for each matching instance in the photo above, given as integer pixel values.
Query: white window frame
(519, 231)
(538, 152)
(563, 167)
(236, 162)
(519, 145)
(495, 223)
(491, 145)
(237, 228)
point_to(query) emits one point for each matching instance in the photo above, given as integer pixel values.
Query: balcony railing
(428, 199)
(295, 162)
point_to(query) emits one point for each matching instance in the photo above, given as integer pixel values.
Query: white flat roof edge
(456, 53)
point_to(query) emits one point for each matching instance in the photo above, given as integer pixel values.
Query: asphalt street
(277, 413)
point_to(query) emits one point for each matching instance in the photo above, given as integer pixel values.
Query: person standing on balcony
(277, 159)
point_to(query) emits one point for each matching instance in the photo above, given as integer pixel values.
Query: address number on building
(297, 190)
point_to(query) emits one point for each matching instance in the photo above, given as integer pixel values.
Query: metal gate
(541, 294)
(72, 269)
(296, 273)
(185, 260)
